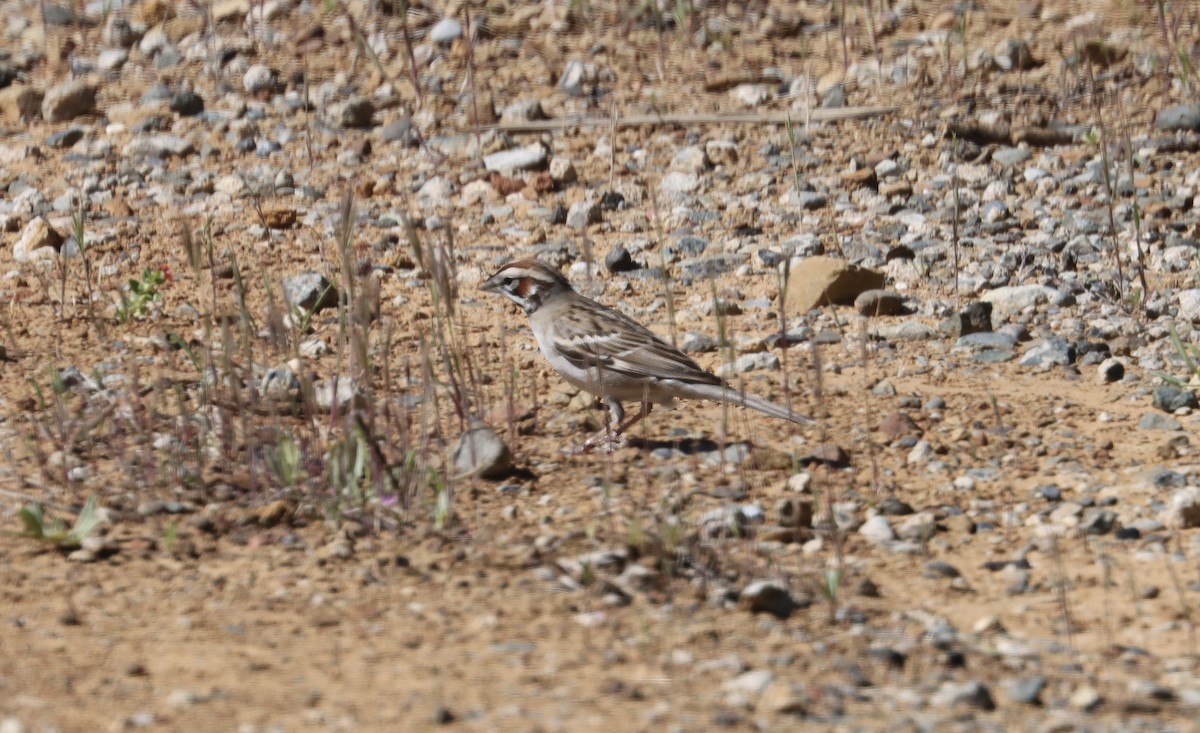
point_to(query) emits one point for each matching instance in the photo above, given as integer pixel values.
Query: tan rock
(38, 241)
(183, 26)
(19, 103)
(230, 10)
(819, 281)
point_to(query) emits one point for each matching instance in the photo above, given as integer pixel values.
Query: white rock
(517, 159)
(1189, 304)
(446, 30)
(1013, 299)
(111, 59)
(749, 683)
(677, 184)
(752, 95)
(258, 78)
(877, 528)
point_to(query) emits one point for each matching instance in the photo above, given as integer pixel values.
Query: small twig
(779, 118)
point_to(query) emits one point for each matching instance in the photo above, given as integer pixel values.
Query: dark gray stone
(310, 291)
(1180, 117)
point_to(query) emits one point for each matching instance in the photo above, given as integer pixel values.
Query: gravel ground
(332, 480)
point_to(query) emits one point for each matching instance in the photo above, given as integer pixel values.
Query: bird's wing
(605, 338)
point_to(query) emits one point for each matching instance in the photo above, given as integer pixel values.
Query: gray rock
(703, 268)
(752, 95)
(986, 340)
(618, 259)
(902, 331)
(280, 385)
(677, 184)
(257, 79)
(1051, 351)
(1110, 370)
(575, 75)
(1180, 117)
(1011, 300)
(186, 103)
(810, 200)
(68, 100)
(56, 14)
(766, 596)
(751, 684)
(880, 303)
(310, 291)
(436, 189)
(65, 138)
(1026, 690)
(732, 519)
(528, 157)
(1013, 54)
(975, 318)
(887, 168)
(690, 159)
(356, 113)
(583, 213)
(445, 31)
(877, 529)
(1033, 173)
(71, 377)
(336, 394)
(562, 171)
(524, 110)
(1148, 690)
(1169, 398)
(1050, 492)
(1010, 157)
(1097, 521)
(834, 97)
(118, 33)
(1183, 510)
(697, 343)
(401, 131)
(967, 694)
(1156, 421)
(158, 146)
(481, 452)
(1189, 304)
(749, 363)
(994, 211)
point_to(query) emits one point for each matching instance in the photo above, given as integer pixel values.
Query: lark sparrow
(605, 352)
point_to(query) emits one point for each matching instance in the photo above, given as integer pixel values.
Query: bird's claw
(610, 441)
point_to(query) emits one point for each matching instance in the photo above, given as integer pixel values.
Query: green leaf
(33, 518)
(86, 523)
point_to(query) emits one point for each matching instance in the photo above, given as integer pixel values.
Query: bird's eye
(509, 282)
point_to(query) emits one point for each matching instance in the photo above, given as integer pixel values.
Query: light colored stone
(822, 281)
(38, 241)
(69, 100)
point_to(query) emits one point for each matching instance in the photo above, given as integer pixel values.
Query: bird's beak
(490, 286)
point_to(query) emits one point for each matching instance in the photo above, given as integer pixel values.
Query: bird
(605, 352)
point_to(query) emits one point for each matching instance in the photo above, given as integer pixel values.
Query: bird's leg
(611, 437)
(642, 413)
(606, 437)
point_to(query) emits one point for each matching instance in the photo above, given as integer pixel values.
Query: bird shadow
(687, 446)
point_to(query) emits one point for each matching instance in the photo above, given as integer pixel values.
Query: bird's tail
(726, 393)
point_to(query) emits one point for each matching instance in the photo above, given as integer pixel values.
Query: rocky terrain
(274, 462)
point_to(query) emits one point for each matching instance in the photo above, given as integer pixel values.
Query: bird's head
(528, 283)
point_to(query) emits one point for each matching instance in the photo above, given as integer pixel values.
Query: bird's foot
(610, 441)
